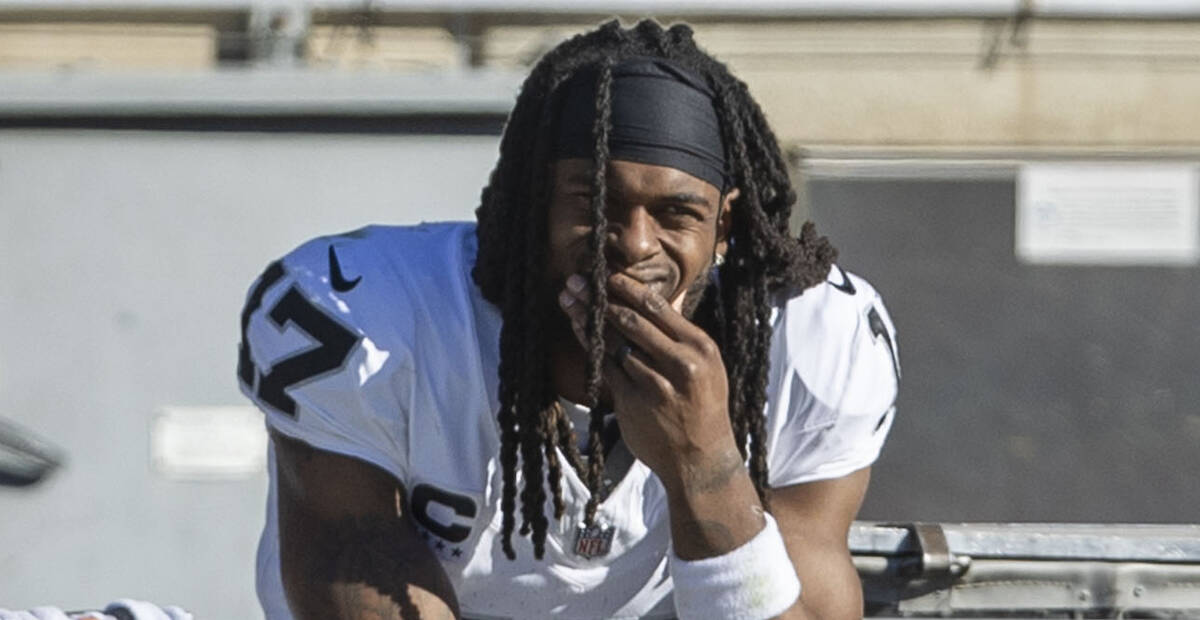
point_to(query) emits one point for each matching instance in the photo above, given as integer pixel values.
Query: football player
(626, 391)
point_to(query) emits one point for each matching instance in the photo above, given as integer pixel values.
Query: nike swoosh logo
(336, 279)
(846, 286)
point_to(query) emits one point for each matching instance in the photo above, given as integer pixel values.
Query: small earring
(718, 260)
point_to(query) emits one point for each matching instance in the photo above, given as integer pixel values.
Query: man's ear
(725, 221)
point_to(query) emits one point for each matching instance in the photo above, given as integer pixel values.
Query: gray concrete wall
(1030, 392)
(126, 259)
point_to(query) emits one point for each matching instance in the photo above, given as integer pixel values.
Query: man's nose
(632, 236)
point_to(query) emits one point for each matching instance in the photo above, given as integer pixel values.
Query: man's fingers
(642, 333)
(578, 286)
(647, 329)
(576, 312)
(615, 376)
(648, 303)
(637, 371)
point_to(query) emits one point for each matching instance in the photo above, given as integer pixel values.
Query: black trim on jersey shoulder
(883, 418)
(878, 329)
(336, 279)
(846, 286)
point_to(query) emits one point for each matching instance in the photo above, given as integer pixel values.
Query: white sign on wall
(209, 442)
(1108, 214)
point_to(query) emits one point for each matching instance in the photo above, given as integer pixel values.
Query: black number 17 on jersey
(334, 343)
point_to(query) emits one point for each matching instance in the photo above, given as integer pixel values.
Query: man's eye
(577, 201)
(682, 211)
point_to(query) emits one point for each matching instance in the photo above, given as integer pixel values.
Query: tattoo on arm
(715, 508)
(715, 476)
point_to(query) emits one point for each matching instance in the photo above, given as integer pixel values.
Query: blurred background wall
(156, 154)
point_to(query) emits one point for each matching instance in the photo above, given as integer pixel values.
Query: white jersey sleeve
(835, 373)
(323, 359)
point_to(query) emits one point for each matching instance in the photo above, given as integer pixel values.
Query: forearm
(358, 601)
(363, 569)
(347, 549)
(359, 567)
(713, 506)
(714, 509)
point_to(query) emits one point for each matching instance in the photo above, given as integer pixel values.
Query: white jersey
(378, 345)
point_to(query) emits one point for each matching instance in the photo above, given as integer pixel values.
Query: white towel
(37, 613)
(121, 609)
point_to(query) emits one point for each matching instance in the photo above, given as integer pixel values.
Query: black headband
(662, 114)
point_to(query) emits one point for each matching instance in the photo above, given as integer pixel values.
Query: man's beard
(694, 295)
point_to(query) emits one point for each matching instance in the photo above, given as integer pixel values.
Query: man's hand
(670, 396)
(667, 381)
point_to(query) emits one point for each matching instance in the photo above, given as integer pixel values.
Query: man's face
(663, 226)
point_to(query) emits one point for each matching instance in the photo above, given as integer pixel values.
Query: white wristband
(753, 582)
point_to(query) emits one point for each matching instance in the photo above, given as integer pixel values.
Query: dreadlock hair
(510, 269)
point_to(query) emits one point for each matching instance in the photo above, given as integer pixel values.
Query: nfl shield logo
(593, 542)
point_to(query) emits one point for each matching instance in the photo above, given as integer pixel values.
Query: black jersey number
(334, 343)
